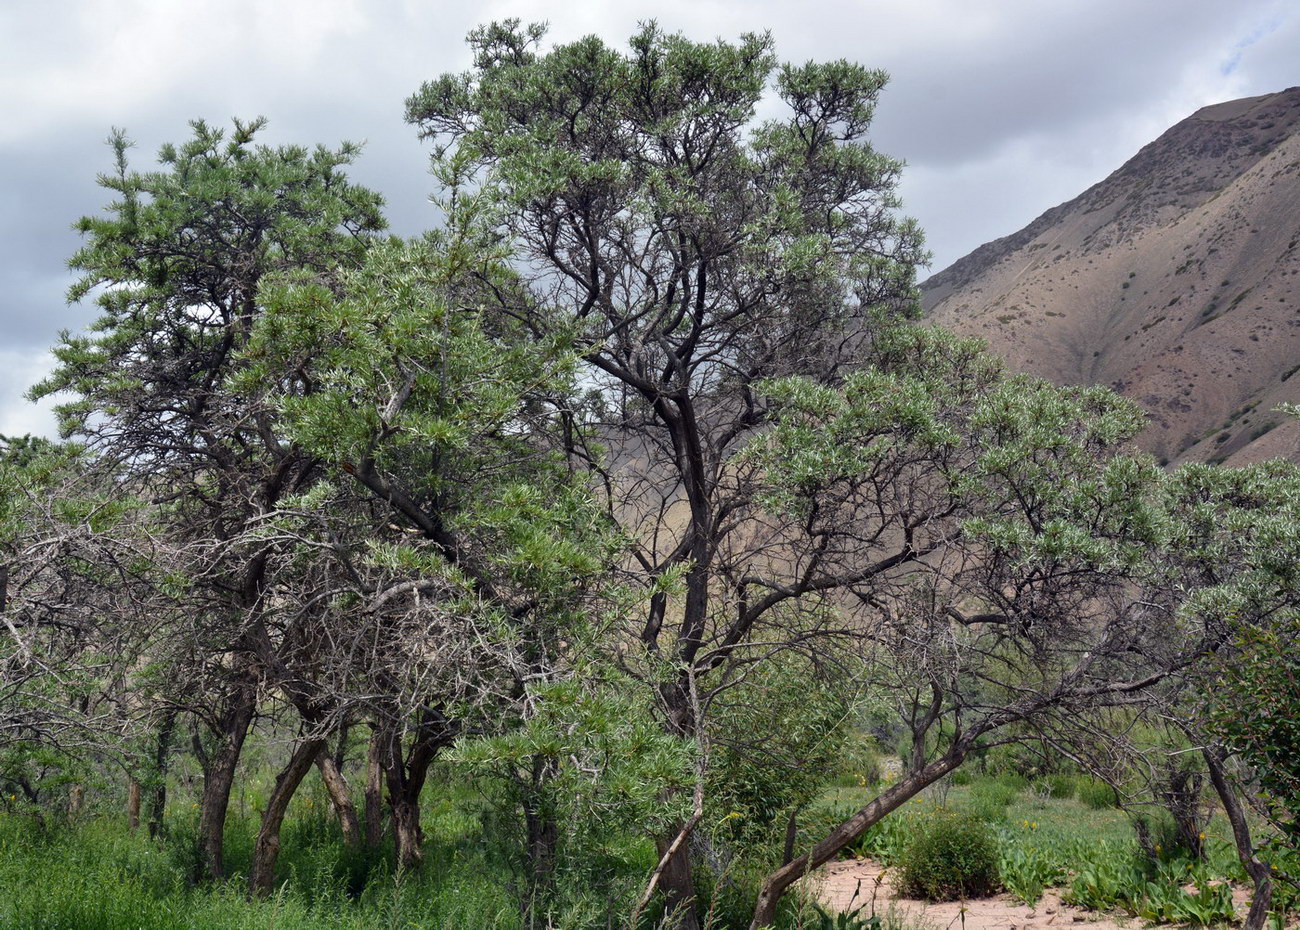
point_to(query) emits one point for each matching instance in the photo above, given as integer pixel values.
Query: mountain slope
(1175, 280)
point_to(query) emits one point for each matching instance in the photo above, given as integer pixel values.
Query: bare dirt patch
(842, 886)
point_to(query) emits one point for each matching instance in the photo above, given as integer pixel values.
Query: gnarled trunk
(405, 779)
(408, 837)
(340, 799)
(218, 779)
(261, 875)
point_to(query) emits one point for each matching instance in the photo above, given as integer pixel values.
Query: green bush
(1096, 794)
(951, 856)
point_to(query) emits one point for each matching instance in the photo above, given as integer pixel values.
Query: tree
(178, 265)
(487, 558)
(688, 254)
(1032, 530)
(75, 549)
(1235, 554)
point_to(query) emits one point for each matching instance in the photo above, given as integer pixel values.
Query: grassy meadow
(96, 874)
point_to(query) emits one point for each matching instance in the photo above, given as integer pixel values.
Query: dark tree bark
(158, 785)
(405, 777)
(340, 799)
(1257, 869)
(218, 779)
(266, 849)
(542, 834)
(678, 884)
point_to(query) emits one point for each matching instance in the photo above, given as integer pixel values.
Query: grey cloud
(1001, 109)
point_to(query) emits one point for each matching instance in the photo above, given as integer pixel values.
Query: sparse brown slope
(1175, 280)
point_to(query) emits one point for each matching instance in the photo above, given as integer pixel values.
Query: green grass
(99, 876)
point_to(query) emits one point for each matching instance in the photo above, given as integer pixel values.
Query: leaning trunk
(777, 883)
(261, 876)
(374, 793)
(340, 799)
(1258, 870)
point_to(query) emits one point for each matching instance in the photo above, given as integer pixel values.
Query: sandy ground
(848, 884)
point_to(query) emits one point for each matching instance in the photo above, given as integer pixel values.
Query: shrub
(950, 856)
(1096, 794)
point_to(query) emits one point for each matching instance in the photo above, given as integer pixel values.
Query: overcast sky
(1001, 108)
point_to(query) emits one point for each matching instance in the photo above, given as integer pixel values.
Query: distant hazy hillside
(1176, 280)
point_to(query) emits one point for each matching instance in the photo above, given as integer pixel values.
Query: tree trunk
(76, 797)
(133, 805)
(407, 835)
(218, 779)
(340, 799)
(261, 875)
(1257, 869)
(374, 793)
(158, 784)
(677, 883)
(777, 883)
(791, 836)
(405, 778)
(542, 837)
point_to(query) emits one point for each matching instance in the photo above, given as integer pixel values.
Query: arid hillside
(1175, 280)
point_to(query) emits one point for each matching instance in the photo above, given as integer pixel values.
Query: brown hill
(1175, 280)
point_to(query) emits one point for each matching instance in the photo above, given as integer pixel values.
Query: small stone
(1078, 918)
(1050, 910)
